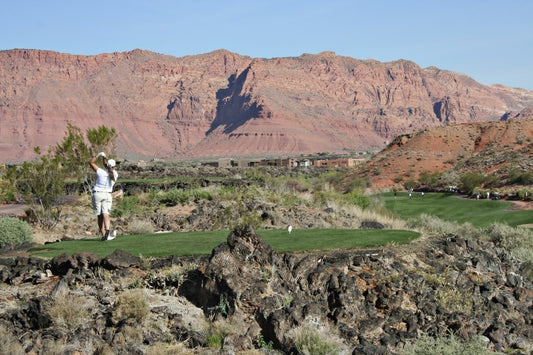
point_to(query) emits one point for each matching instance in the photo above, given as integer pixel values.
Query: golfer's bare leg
(107, 222)
(101, 224)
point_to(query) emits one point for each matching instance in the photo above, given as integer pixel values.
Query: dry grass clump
(169, 349)
(370, 214)
(9, 343)
(446, 345)
(429, 224)
(131, 304)
(314, 339)
(140, 226)
(168, 277)
(69, 312)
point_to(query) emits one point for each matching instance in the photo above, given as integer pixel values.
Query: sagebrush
(14, 231)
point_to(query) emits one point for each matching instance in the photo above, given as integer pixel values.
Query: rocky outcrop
(368, 301)
(222, 104)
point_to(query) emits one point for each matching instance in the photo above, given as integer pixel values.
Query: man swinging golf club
(102, 198)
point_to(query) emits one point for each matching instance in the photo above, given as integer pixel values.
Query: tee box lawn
(202, 243)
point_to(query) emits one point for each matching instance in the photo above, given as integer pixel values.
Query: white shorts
(102, 202)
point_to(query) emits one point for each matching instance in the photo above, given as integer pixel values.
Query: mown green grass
(202, 243)
(450, 207)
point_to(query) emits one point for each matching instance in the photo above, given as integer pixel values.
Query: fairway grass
(202, 243)
(454, 208)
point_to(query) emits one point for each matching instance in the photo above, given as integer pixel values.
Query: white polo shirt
(104, 183)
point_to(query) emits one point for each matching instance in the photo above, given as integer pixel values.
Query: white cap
(111, 163)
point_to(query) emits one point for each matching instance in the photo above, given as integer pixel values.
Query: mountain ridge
(222, 104)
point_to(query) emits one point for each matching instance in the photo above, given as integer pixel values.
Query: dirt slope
(490, 147)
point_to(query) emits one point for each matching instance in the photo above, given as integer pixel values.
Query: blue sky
(488, 40)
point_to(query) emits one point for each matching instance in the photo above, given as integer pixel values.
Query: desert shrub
(7, 191)
(453, 300)
(470, 181)
(14, 231)
(140, 226)
(256, 174)
(357, 199)
(69, 312)
(131, 304)
(325, 196)
(410, 184)
(358, 183)
(295, 186)
(517, 176)
(518, 241)
(174, 197)
(40, 184)
(201, 194)
(128, 206)
(524, 194)
(447, 345)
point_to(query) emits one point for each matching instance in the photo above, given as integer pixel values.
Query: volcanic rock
(362, 301)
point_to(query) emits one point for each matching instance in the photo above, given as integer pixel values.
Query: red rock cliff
(224, 104)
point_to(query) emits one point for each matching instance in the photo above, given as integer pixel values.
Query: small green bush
(126, 207)
(175, 197)
(215, 340)
(357, 199)
(14, 231)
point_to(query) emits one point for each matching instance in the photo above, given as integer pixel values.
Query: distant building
(282, 162)
(341, 162)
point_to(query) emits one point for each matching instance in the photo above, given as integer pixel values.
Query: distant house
(341, 162)
(304, 163)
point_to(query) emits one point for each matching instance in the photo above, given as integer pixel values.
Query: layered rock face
(363, 302)
(222, 104)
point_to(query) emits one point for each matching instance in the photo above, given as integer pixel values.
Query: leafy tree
(73, 154)
(470, 181)
(102, 139)
(410, 184)
(517, 176)
(428, 179)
